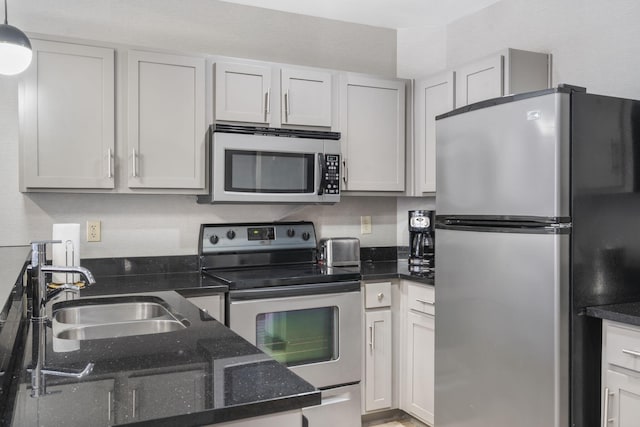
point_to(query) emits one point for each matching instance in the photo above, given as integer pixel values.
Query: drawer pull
(380, 296)
(631, 353)
(425, 301)
(605, 411)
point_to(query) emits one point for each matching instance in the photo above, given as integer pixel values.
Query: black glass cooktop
(260, 277)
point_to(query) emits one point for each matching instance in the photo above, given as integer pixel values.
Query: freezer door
(501, 329)
(507, 160)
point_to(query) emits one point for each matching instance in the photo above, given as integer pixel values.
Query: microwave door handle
(322, 166)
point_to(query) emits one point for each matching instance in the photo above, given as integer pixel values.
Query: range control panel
(248, 237)
(332, 174)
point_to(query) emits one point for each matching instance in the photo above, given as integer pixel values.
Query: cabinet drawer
(421, 298)
(622, 346)
(377, 295)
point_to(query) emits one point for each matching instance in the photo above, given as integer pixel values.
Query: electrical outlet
(93, 231)
(365, 224)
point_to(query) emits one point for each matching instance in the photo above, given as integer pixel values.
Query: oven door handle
(294, 291)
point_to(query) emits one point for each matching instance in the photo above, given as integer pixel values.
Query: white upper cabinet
(305, 97)
(67, 117)
(243, 92)
(504, 73)
(167, 126)
(373, 133)
(252, 93)
(433, 96)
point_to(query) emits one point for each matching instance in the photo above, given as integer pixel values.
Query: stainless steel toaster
(340, 251)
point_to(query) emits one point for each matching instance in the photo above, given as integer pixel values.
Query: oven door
(312, 329)
(272, 169)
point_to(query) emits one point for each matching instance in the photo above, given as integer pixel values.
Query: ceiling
(379, 13)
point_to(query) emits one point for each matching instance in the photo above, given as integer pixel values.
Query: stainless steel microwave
(268, 165)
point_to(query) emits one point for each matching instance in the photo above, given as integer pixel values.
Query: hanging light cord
(5, 12)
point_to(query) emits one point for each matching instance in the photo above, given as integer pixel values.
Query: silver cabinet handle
(345, 171)
(631, 353)
(133, 402)
(109, 405)
(380, 296)
(371, 337)
(605, 410)
(425, 301)
(109, 163)
(134, 165)
(267, 105)
(286, 106)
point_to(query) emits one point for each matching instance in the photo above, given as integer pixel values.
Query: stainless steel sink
(114, 317)
(121, 329)
(113, 312)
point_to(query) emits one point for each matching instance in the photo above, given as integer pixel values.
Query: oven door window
(298, 337)
(268, 172)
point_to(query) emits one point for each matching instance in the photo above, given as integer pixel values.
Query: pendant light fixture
(15, 48)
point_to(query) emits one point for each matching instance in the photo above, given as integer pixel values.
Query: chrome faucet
(39, 269)
(38, 314)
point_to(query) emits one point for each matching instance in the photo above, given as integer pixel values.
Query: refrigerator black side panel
(605, 187)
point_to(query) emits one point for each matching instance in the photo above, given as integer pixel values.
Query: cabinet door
(89, 403)
(166, 120)
(67, 117)
(419, 386)
(306, 97)
(378, 360)
(433, 96)
(163, 395)
(374, 137)
(622, 408)
(243, 93)
(480, 80)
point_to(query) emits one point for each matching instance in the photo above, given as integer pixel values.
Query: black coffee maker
(421, 241)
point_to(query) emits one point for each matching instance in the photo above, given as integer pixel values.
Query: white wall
(138, 225)
(421, 52)
(594, 43)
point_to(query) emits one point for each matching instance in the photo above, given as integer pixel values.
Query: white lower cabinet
(419, 386)
(418, 351)
(378, 360)
(620, 375)
(379, 377)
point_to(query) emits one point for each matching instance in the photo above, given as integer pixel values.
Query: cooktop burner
(257, 255)
(259, 277)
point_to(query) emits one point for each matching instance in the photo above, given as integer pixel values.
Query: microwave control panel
(332, 174)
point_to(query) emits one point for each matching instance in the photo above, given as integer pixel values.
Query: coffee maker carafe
(421, 241)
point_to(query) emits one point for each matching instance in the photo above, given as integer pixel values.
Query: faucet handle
(40, 246)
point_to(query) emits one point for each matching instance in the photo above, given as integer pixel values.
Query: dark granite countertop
(392, 269)
(202, 374)
(625, 313)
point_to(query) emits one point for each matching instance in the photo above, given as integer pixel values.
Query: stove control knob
(291, 232)
(231, 234)
(214, 239)
(306, 236)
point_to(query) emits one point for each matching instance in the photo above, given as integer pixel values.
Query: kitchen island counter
(201, 374)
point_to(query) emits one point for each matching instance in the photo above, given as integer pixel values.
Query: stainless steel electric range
(303, 314)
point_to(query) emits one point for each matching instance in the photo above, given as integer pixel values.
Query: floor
(405, 422)
(401, 423)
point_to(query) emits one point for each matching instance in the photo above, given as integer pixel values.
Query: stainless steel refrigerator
(538, 217)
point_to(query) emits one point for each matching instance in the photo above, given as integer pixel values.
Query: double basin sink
(113, 317)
